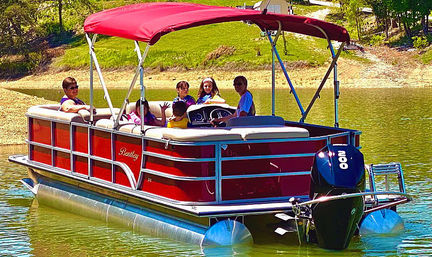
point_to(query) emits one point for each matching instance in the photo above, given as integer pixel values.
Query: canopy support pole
(141, 59)
(336, 87)
(285, 72)
(142, 96)
(274, 71)
(101, 79)
(273, 83)
(317, 93)
(91, 81)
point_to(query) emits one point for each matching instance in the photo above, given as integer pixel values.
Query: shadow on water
(396, 126)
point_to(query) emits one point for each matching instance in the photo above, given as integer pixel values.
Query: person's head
(70, 87)
(179, 108)
(240, 84)
(208, 87)
(138, 106)
(182, 89)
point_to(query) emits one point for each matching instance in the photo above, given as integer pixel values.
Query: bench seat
(51, 111)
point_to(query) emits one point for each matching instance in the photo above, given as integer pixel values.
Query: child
(182, 94)
(149, 118)
(208, 92)
(179, 112)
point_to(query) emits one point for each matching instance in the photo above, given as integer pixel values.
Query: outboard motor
(337, 170)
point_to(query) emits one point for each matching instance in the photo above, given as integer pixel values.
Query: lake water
(396, 126)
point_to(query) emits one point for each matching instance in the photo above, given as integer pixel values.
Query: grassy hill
(226, 45)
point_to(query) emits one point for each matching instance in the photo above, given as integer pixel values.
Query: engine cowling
(337, 169)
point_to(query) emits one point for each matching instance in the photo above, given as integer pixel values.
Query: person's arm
(70, 106)
(162, 122)
(223, 119)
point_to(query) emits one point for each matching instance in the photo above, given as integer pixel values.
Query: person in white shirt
(246, 106)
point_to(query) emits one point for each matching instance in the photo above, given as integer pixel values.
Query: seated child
(208, 92)
(179, 112)
(182, 94)
(149, 118)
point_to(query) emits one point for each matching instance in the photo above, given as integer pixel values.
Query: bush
(420, 42)
(377, 40)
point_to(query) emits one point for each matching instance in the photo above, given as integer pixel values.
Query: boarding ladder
(393, 168)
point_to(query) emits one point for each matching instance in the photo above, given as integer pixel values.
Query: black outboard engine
(337, 170)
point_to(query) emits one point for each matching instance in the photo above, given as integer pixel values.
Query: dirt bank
(13, 106)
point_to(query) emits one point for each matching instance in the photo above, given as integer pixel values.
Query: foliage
(426, 57)
(420, 42)
(377, 40)
(17, 27)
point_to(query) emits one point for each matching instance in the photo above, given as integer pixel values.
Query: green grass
(188, 49)
(426, 58)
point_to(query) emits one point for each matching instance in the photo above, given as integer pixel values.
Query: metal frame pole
(101, 79)
(273, 83)
(317, 93)
(336, 88)
(141, 59)
(91, 80)
(285, 73)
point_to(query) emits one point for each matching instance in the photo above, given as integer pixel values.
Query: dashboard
(200, 115)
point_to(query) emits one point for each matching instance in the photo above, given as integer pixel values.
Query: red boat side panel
(61, 135)
(81, 165)
(293, 147)
(357, 140)
(41, 154)
(249, 188)
(102, 170)
(120, 177)
(41, 131)
(198, 191)
(339, 140)
(188, 169)
(81, 139)
(101, 142)
(62, 160)
(204, 151)
(244, 167)
(128, 151)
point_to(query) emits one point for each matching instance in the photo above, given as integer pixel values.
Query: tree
(18, 27)
(64, 5)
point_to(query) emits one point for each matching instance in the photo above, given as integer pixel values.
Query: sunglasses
(72, 88)
(238, 84)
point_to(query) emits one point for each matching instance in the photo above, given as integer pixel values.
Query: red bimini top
(147, 22)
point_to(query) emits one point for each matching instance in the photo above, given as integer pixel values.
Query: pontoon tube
(139, 219)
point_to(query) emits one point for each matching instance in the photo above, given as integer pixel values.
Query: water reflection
(396, 126)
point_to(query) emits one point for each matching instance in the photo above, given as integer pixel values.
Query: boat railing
(226, 171)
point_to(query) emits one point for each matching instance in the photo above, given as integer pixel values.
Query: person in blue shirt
(246, 106)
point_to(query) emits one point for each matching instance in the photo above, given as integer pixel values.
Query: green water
(396, 126)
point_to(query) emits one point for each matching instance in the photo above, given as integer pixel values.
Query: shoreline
(351, 74)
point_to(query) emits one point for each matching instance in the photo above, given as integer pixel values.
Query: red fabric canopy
(147, 22)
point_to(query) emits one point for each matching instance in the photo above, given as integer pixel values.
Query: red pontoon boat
(256, 179)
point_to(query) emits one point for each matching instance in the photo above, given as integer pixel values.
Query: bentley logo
(124, 152)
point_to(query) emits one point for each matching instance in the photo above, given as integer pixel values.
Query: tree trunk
(425, 25)
(60, 9)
